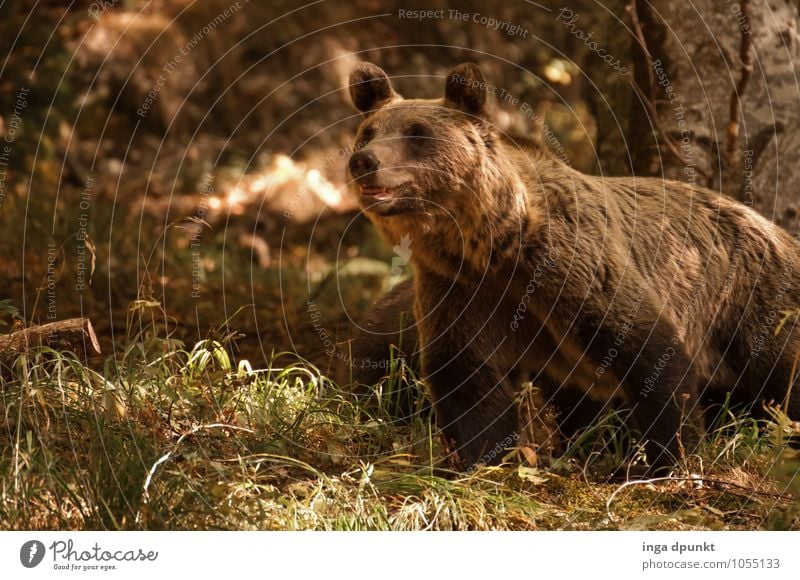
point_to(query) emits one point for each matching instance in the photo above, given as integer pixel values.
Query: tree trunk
(723, 76)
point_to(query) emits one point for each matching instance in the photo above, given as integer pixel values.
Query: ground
(166, 438)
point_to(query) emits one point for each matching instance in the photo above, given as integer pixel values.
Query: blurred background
(177, 168)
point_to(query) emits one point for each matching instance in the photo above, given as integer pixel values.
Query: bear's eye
(367, 135)
(417, 131)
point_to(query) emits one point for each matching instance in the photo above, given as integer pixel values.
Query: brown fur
(647, 290)
(547, 417)
(387, 336)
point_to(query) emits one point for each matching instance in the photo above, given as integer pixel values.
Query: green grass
(160, 437)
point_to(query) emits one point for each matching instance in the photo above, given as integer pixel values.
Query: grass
(161, 437)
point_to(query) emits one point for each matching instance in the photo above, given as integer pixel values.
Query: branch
(746, 58)
(651, 99)
(750, 492)
(75, 335)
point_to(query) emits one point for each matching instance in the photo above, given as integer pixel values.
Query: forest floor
(167, 438)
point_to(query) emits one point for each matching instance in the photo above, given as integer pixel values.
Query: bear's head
(427, 165)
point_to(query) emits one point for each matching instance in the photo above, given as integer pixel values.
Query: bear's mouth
(383, 192)
(388, 201)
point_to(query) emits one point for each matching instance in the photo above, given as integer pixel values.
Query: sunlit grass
(165, 437)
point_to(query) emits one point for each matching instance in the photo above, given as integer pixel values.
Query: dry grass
(165, 438)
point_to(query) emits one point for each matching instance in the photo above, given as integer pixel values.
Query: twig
(637, 28)
(164, 458)
(668, 141)
(780, 496)
(746, 58)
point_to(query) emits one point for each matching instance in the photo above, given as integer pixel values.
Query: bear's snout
(363, 163)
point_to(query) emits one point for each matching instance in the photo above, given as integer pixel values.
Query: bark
(725, 79)
(609, 94)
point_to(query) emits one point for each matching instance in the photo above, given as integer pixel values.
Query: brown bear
(639, 289)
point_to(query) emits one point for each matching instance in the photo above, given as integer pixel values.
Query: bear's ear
(465, 88)
(370, 88)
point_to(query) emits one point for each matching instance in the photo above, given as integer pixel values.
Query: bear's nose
(362, 163)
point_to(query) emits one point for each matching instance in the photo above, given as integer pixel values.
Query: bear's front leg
(474, 404)
(659, 382)
(662, 386)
